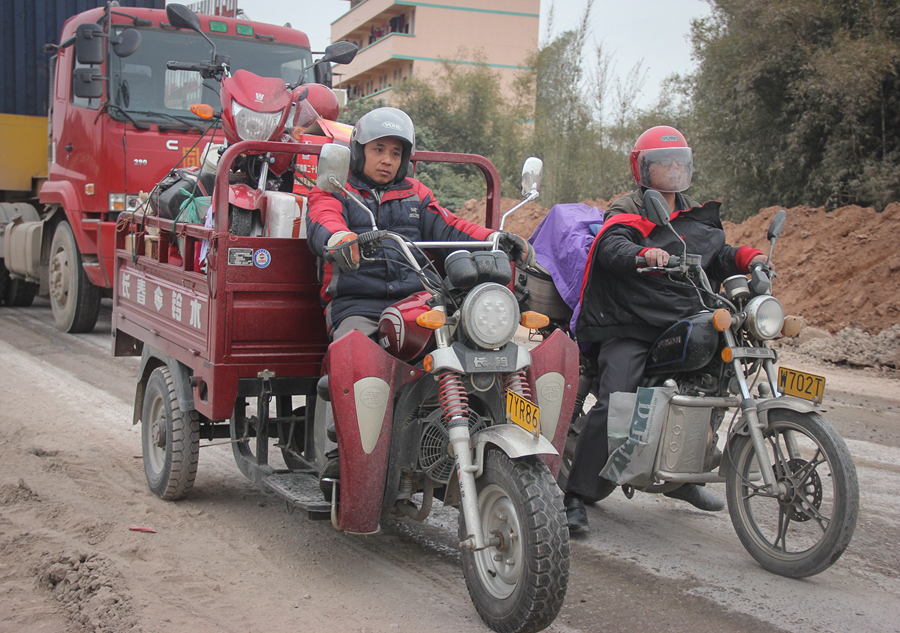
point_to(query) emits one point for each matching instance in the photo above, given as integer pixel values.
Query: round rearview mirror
(333, 167)
(126, 42)
(532, 172)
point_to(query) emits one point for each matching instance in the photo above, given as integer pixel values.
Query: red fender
(553, 377)
(363, 446)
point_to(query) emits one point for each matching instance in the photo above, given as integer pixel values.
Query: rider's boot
(697, 496)
(576, 515)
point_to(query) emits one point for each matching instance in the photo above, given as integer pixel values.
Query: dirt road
(231, 557)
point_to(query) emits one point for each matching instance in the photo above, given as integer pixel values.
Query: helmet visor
(668, 170)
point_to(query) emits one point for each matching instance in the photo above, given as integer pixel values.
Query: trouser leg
(620, 368)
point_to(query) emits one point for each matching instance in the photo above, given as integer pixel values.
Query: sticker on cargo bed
(262, 258)
(240, 256)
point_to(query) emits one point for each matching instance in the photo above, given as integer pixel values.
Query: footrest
(302, 491)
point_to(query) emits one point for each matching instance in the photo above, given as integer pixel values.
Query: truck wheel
(4, 281)
(74, 299)
(170, 439)
(21, 293)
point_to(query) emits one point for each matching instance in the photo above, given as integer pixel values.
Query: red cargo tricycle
(446, 404)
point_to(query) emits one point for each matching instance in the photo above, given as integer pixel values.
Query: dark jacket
(618, 302)
(407, 208)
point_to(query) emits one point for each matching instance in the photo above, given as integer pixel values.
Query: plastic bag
(636, 422)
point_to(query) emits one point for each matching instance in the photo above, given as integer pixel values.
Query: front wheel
(519, 584)
(74, 299)
(806, 529)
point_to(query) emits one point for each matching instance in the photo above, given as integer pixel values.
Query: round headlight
(765, 316)
(490, 315)
(251, 125)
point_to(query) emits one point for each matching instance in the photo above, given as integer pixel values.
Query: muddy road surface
(231, 557)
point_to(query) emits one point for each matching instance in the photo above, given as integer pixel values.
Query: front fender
(512, 440)
(785, 402)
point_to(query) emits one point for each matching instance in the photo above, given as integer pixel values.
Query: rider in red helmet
(624, 312)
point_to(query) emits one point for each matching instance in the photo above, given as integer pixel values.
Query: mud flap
(553, 377)
(362, 381)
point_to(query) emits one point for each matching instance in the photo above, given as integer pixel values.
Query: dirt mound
(837, 269)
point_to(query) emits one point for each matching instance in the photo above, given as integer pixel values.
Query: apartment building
(401, 38)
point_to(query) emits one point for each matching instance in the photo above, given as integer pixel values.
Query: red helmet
(665, 146)
(322, 100)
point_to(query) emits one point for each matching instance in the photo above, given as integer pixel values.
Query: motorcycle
(253, 108)
(449, 405)
(791, 485)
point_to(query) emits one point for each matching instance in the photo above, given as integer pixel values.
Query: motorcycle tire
(520, 585)
(808, 531)
(240, 221)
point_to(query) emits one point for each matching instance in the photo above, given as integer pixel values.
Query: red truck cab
(104, 151)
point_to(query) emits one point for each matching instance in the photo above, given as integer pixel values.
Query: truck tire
(4, 281)
(20, 293)
(74, 299)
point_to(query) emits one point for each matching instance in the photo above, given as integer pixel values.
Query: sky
(654, 32)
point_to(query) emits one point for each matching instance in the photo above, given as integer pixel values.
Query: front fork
(754, 426)
(454, 405)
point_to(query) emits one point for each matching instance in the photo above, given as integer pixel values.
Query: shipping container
(26, 26)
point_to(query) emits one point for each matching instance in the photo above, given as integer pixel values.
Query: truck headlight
(490, 315)
(765, 316)
(251, 125)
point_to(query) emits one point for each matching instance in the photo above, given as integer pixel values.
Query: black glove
(519, 250)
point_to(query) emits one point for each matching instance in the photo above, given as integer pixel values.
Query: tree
(795, 102)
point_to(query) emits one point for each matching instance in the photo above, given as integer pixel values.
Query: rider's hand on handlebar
(760, 261)
(656, 257)
(344, 250)
(521, 251)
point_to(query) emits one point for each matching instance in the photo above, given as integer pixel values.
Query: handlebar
(674, 265)
(185, 66)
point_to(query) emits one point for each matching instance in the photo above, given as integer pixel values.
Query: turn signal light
(203, 111)
(428, 363)
(534, 320)
(431, 320)
(792, 326)
(721, 319)
(727, 355)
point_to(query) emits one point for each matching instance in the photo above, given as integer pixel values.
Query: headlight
(252, 125)
(765, 316)
(490, 315)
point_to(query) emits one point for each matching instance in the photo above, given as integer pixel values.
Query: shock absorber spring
(453, 399)
(517, 382)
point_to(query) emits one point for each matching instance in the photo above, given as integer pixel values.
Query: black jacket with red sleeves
(619, 302)
(407, 208)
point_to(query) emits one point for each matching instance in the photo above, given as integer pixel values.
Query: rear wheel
(170, 439)
(74, 299)
(4, 281)
(519, 583)
(807, 528)
(21, 293)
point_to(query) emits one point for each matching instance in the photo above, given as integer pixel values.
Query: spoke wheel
(806, 527)
(518, 583)
(170, 439)
(74, 299)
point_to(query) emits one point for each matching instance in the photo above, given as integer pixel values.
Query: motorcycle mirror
(126, 43)
(532, 173)
(777, 225)
(333, 167)
(655, 208)
(181, 17)
(339, 53)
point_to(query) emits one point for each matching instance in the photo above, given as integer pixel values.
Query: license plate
(523, 413)
(800, 384)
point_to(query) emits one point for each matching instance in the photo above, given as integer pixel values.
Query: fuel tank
(398, 332)
(688, 345)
